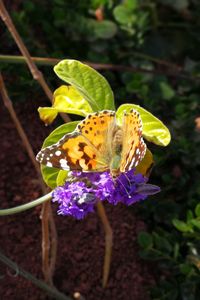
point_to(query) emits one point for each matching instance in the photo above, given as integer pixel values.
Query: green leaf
(59, 132)
(49, 175)
(89, 83)
(182, 226)
(197, 210)
(186, 268)
(61, 178)
(195, 223)
(162, 243)
(124, 15)
(153, 129)
(167, 92)
(53, 176)
(145, 240)
(66, 100)
(47, 114)
(190, 215)
(104, 30)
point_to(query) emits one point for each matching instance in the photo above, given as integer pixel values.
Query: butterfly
(99, 144)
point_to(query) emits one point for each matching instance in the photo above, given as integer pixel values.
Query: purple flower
(75, 199)
(131, 188)
(78, 196)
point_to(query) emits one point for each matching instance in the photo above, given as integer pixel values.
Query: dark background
(161, 37)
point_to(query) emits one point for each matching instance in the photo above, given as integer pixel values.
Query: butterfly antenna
(124, 186)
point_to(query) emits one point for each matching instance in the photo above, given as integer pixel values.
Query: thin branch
(46, 215)
(172, 71)
(39, 283)
(108, 242)
(21, 132)
(37, 75)
(26, 206)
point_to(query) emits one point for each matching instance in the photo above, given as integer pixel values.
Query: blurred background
(150, 55)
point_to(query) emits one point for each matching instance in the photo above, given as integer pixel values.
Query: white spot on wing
(58, 153)
(63, 164)
(49, 164)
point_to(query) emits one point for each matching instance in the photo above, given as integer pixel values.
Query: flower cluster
(78, 196)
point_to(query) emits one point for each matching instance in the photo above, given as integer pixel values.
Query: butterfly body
(99, 144)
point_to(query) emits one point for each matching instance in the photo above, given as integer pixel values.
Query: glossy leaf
(153, 129)
(54, 176)
(66, 100)
(89, 83)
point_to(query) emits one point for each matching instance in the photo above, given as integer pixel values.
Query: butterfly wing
(133, 146)
(98, 128)
(85, 148)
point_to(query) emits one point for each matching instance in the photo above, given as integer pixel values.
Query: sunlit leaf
(54, 176)
(47, 114)
(61, 178)
(153, 129)
(66, 100)
(89, 83)
(49, 175)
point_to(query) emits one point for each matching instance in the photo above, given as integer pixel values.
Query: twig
(24, 207)
(46, 243)
(173, 69)
(46, 215)
(108, 242)
(37, 75)
(39, 283)
(22, 134)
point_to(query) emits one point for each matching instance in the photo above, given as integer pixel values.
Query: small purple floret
(78, 196)
(130, 188)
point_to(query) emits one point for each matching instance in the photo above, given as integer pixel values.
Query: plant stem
(21, 132)
(23, 207)
(37, 75)
(46, 217)
(108, 242)
(17, 59)
(173, 69)
(46, 243)
(39, 283)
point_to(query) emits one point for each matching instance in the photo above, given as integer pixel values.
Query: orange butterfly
(99, 144)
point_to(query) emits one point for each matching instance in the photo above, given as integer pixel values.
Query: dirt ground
(80, 243)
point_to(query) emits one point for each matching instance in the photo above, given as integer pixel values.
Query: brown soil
(81, 243)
